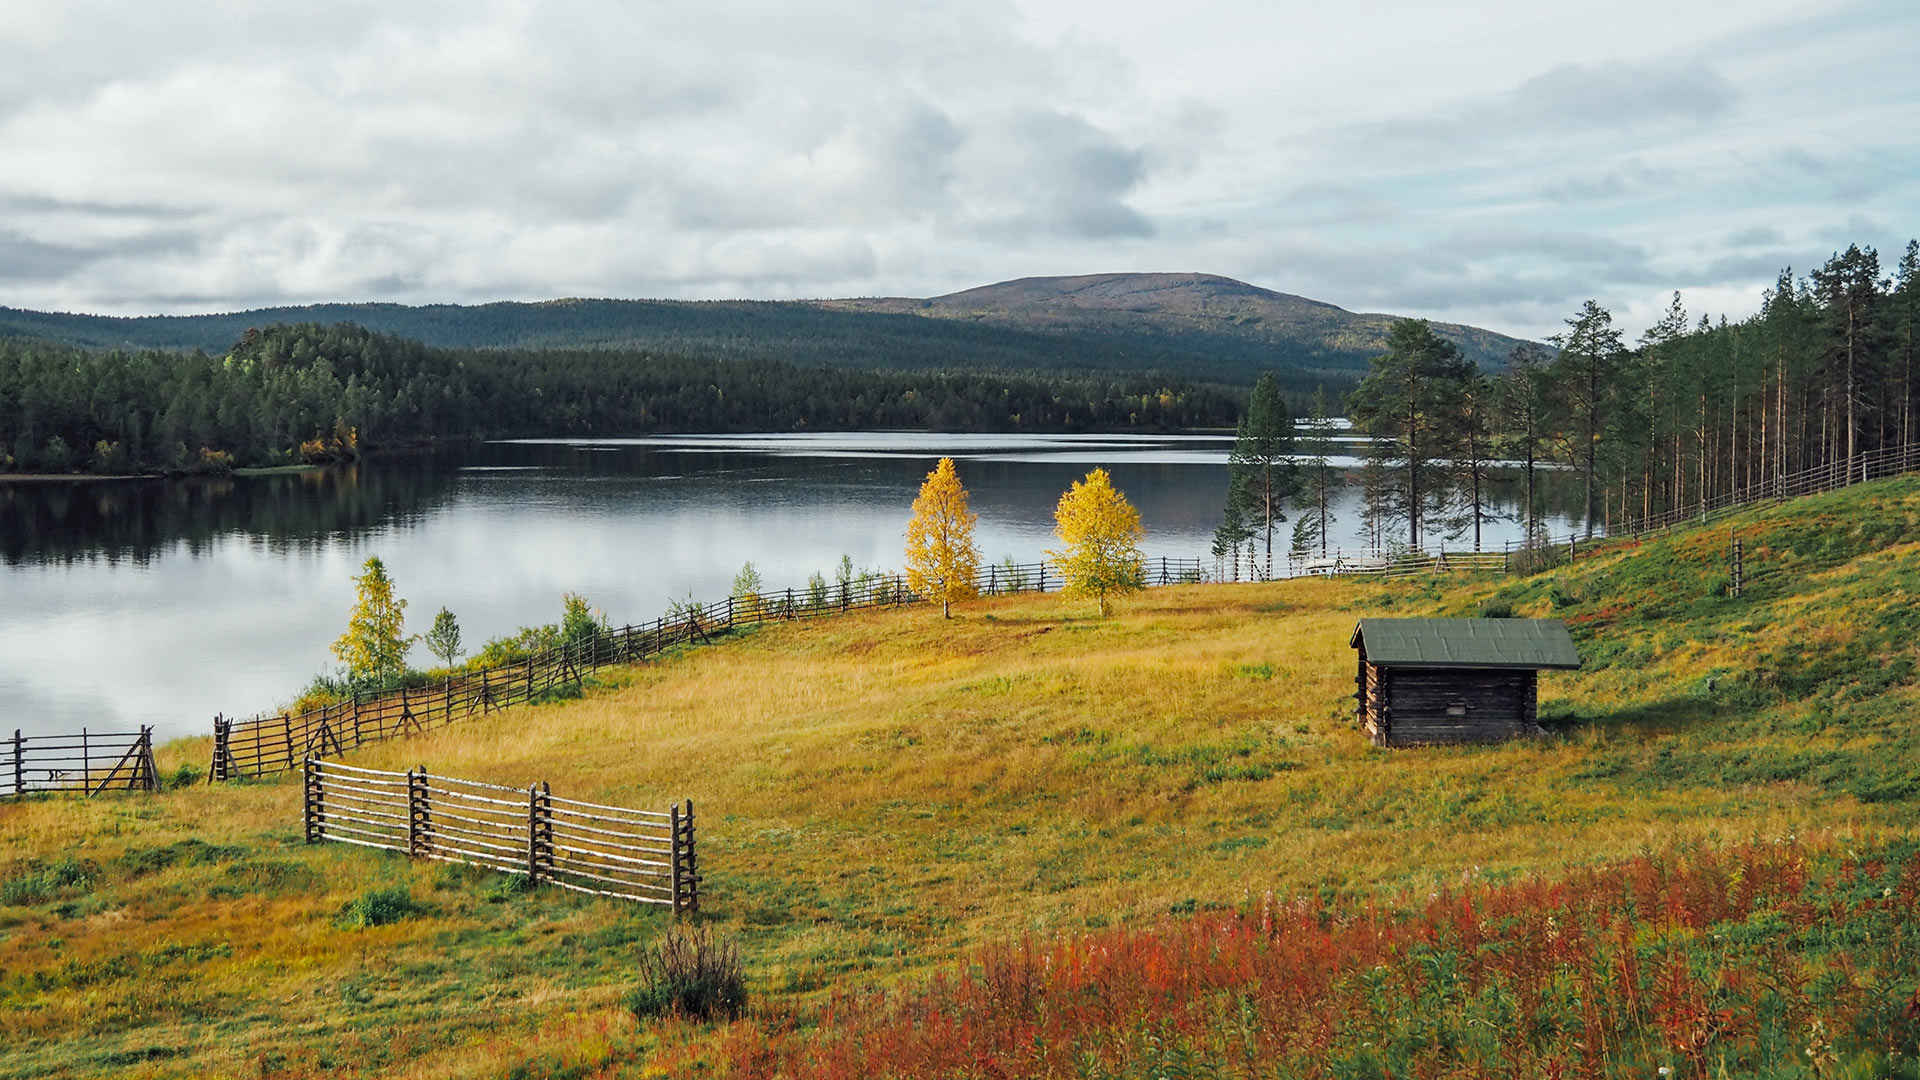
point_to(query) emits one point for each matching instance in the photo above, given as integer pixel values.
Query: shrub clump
(689, 974)
(41, 883)
(378, 907)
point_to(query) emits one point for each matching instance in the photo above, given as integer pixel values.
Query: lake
(164, 602)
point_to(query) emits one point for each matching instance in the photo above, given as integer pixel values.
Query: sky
(1479, 161)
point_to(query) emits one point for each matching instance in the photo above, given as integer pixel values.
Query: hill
(1199, 313)
(889, 797)
(1191, 325)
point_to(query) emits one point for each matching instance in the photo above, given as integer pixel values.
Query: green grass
(883, 794)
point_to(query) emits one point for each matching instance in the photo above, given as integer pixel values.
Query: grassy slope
(883, 793)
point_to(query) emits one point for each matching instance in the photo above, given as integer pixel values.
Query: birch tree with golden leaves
(1100, 535)
(941, 557)
(374, 648)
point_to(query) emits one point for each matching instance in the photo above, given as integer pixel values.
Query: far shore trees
(942, 558)
(375, 646)
(1100, 536)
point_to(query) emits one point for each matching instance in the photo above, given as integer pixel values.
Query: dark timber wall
(1412, 706)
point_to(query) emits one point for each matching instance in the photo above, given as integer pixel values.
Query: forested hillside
(310, 393)
(1193, 325)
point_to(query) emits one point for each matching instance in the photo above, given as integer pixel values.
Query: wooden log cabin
(1427, 681)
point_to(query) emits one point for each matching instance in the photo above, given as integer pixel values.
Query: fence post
(419, 814)
(19, 769)
(146, 765)
(1043, 576)
(315, 802)
(686, 876)
(86, 760)
(729, 613)
(539, 829)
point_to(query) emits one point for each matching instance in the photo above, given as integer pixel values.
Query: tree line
(1693, 411)
(307, 393)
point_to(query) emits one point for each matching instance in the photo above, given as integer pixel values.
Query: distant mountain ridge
(1196, 325)
(1176, 306)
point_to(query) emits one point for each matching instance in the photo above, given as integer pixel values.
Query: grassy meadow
(886, 798)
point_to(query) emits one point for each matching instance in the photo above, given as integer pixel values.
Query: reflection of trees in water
(49, 522)
(135, 520)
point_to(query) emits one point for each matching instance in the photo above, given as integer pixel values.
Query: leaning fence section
(645, 856)
(87, 763)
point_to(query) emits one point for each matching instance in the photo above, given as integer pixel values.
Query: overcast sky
(1483, 161)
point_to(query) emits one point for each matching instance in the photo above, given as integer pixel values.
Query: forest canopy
(307, 393)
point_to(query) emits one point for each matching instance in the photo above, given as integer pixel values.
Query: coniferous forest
(1689, 411)
(306, 393)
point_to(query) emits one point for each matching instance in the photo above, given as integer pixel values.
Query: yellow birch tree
(941, 557)
(374, 648)
(1100, 534)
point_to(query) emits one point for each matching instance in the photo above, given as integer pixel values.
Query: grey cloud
(1060, 175)
(1743, 267)
(1757, 236)
(1622, 94)
(1566, 101)
(23, 258)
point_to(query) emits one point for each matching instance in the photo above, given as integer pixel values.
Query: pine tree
(942, 559)
(375, 646)
(1523, 401)
(1584, 376)
(1100, 535)
(1264, 475)
(1320, 479)
(1411, 402)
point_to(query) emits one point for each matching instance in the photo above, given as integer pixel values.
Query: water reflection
(163, 602)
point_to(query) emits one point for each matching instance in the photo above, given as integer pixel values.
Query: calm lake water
(164, 602)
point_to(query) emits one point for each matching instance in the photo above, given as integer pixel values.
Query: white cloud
(1489, 161)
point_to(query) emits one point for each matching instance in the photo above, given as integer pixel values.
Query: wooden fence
(263, 745)
(88, 763)
(646, 856)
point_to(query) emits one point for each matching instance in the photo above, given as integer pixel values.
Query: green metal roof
(1474, 643)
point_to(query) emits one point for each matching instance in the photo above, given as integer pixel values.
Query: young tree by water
(1100, 537)
(1473, 457)
(375, 646)
(1262, 473)
(1320, 477)
(942, 558)
(443, 640)
(1523, 405)
(747, 586)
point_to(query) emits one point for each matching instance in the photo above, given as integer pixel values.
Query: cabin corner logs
(1422, 682)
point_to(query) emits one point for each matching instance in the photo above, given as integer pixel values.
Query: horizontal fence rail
(88, 763)
(645, 856)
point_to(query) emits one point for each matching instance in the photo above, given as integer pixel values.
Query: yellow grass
(877, 795)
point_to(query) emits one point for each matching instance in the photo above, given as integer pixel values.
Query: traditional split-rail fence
(646, 856)
(265, 745)
(89, 763)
